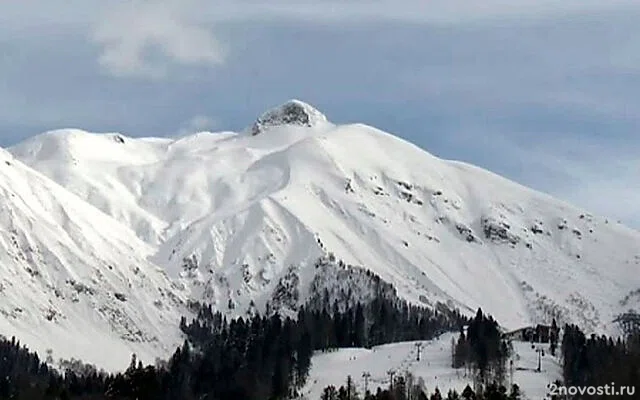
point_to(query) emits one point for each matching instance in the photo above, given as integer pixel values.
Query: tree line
(407, 387)
(482, 350)
(261, 357)
(269, 357)
(600, 360)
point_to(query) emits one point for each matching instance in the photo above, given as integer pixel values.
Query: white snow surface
(75, 280)
(434, 367)
(228, 215)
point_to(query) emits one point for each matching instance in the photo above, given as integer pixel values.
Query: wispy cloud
(542, 91)
(597, 173)
(144, 38)
(417, 11)
(199, 123)
(79, 12)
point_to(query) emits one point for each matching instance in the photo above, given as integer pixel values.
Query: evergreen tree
(253, 358)
(553, 338)
(453, 395)
(515, 393)
(468, 393)
(329, 393)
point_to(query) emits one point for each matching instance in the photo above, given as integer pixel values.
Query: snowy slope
(231, 216)
(434, 367)
(76, 281)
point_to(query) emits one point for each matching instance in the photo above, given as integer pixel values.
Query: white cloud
(199, 123)
(143, 39)
(599, 176)
(606, 184)
(419, 11)
(590, 172)
(68, 11)
(499, 65)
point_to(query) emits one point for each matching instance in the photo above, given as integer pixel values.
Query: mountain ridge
(61, 275)
(230, 216)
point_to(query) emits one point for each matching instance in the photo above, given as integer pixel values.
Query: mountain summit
(293, 112)
(240, 221)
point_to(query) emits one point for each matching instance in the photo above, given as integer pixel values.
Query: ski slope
(434, 368)
(231, 218)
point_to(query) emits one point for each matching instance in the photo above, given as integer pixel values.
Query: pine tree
(360, 328)
(468, 393)
(553, 339)
(436, 395)
(352, 393)
(329, 393)
(515, 392)
(453, 395)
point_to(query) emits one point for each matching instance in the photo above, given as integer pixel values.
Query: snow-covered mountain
(234, 217)
(76, 281)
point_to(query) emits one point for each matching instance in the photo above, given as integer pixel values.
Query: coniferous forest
(269, 357)
(600, 360)
(482, 349)
(257, 358)
(407, 387)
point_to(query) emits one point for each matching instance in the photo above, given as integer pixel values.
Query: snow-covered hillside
(434, 367)
(76, 281)
(235, 217)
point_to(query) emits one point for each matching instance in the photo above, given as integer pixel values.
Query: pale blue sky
(544, 92)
